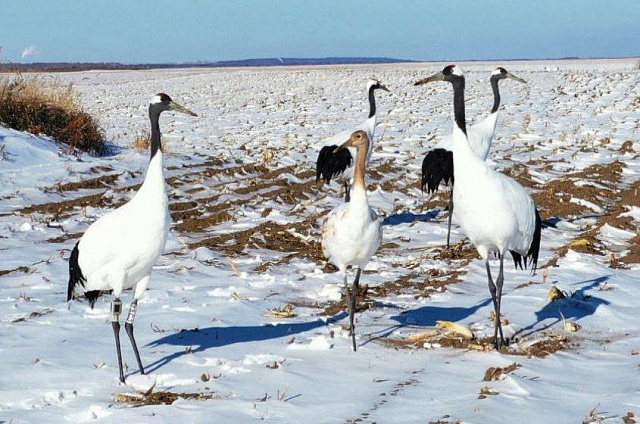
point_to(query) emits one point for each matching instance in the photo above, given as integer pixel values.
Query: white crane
(118, 251)
(352, 232)
(437, 166)
(333, 163)
(495, 212)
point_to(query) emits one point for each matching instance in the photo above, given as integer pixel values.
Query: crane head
(358, 139)
(450, 73)
(501, 73)
(376, 85)
(162, 102)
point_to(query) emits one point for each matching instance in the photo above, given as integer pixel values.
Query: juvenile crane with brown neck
(352, 232)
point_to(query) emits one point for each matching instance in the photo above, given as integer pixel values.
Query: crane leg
(352, 308)
(499, 284)
(493, 291)
(128, 326)
(450, 207)
(347, 294)
(116, 310)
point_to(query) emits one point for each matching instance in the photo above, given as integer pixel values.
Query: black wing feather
(531, 258)
(331, 164)
(77, 278)
(75, 273)
(437, 166)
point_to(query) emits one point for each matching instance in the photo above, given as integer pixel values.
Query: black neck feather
(496, 93)
(154, 117)
(458, 103)
(372, 102)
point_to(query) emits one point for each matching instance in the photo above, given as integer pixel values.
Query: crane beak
(179, 108)
(382, 87)
(435, 77)
(342, 146)
(513, 77)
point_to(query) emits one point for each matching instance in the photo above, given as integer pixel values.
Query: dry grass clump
(142, 141)
(42, 107)
(150, 397)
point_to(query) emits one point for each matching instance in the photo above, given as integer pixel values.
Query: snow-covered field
(245, 241)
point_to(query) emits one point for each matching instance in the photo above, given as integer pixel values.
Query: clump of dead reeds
(46, 107)
(151, 397)
(142, 141)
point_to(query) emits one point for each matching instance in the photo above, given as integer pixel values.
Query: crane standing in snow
(352, 232)
(494, 211)
(119, 250)
(437, 165)
(333, 163)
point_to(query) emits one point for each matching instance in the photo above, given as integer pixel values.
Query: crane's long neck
(372, 102)
(496, 94)
(156, 144)
(458, 104)
(153, 184)
(360, 165)
(467, 163)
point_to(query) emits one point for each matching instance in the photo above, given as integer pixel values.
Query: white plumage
(118, 251)
(352, 232)
(438, 164)
(479, 136)
(496, 213)
(340, 165)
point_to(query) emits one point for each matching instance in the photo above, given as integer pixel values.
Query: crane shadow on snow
(427, 316)
(201, 339)
(408, 218)
(574, 307)
(552, 222)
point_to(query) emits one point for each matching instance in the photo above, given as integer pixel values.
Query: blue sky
(144, 31)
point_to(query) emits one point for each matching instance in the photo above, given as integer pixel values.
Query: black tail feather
(330, 164)
(531, 258)
(92, 296)
(75, 273)
(437, 166)
(77, 278)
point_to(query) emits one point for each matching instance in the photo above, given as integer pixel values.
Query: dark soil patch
(268, 235)
(62, 209)
(103, 181)
(63, 238)
(417, 284)
(554, 198)
(363, 303)
(18, 269)
(463, 250)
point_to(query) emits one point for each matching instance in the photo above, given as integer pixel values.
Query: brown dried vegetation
(39, 107)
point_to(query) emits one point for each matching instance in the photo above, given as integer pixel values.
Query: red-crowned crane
(333, 163)
(118, 251)
(496, 213)
(437, 165)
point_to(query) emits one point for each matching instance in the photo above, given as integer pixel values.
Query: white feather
(120, 249)
(495, 212)
(479, 136)
(352, 232)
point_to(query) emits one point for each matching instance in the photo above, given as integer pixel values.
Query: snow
(206, 312)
